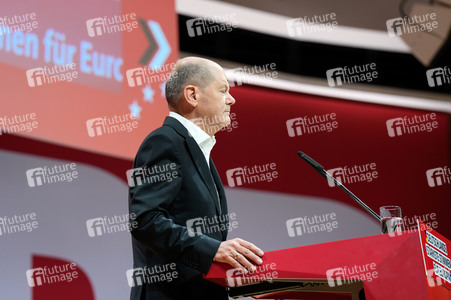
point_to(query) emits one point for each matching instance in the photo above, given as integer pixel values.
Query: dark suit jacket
(164, 206)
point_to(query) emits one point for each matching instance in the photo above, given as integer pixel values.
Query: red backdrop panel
(361, 137)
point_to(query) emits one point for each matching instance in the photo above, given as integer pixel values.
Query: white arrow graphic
(164, 47)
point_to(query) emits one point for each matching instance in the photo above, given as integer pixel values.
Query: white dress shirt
(202, 139)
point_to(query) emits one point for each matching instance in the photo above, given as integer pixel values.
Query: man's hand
(240, 254)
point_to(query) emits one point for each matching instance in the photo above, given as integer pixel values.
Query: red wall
(361, 137)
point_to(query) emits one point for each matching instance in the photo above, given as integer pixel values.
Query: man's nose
(230, 100)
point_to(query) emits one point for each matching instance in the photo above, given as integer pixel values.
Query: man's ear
(190, 95)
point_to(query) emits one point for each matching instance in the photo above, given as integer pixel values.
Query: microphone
(326, 175)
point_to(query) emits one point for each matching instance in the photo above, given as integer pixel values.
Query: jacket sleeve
(149, 203)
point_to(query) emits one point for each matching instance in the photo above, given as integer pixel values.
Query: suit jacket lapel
(204, 170)
(198, 158)
(222, 196)
(217, 179)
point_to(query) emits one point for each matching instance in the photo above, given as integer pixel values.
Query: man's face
(215, 102)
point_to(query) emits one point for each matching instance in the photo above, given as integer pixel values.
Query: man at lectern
(177, 202)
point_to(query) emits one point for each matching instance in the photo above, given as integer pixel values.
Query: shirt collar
(204, 141)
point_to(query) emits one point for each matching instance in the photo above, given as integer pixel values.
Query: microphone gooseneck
(326, 175)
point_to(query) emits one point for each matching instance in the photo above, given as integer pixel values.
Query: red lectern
(410, 265)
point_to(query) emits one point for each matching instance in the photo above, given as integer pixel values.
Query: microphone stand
(326, 175)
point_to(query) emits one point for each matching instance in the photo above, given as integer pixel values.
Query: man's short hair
(188, 73)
